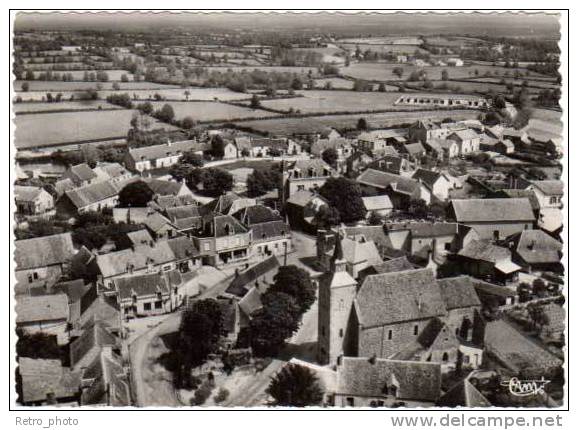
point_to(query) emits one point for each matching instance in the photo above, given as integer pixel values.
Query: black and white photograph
(288, 209)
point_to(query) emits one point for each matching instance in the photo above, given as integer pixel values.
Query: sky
(498, 24)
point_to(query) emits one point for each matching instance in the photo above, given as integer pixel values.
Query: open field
(384, 71)
(279, 69)
(331, 54)
(212, 111)
(466, 87)
(383, 49)
(335, 101)
(48, 129)
(166, 92)
(60, 106)
(532, 82)
(454, 41)
(83, 86)
(386, 40)
(337, 83)
(288, 126)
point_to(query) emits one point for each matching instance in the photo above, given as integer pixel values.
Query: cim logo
(526, 387)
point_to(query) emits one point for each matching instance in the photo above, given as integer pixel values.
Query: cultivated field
(288, 126)
(146, 91)
(281, 69)
(383, 49)
(83, 86)
(384, 71)
(113, 75)
(212, 111)
(335, 101)
(48, 129)
(29, 107)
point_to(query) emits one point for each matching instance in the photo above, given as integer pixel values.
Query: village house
(304, 175)
(228, 204)
(413, 151)
(161, 187)
(464, 394)
(33, 200)
(467, 140)
(43, 258)
(445, 100)
(301, 209)
(80, 175)
(46, 382)
(179, 253)
(437, 182)
(400, 189)
(342, 146)
(270, 234)
(377, 382)
(268, 147)
(88, 198)
(157, 156)
(222, 240)
(536, 250)
(184, 218)
(112, 172)
(357, 162)
(377, 205)
(484, 260)
(443, 149)
(380, 142)
(358, 252)
(455, 62)
(492, 294)
(393, 164)
(48, 314)
(548, 192)
(494, 218)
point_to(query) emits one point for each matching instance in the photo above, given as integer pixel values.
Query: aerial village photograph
(272, 210)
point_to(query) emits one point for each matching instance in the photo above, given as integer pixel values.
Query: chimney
(531, 245)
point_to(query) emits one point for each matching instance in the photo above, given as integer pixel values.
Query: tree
(188, 123)
(275, 322)
(330, 156)
(326, 217)
(295, 282)
(344, 195)
(136, 194)
(295, 386)
(524, 292)
(381, 88)
(37, 345)
(192, 159)
(262, 180)
(25, 86)
(146, 108)
(124, 78)
(187, 94)
(216, 181)
(539, 288)
(217, 146)
(362, 124)
(445, 75)
(398, 71)
(166, 114)
(116, 86)
(255, 102)
(375, 218)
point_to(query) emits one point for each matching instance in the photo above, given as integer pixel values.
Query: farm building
(443, 101)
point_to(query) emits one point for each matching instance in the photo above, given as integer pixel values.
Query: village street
(152, 383)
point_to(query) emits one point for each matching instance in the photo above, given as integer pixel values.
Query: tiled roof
(92, 193)
(164, 150)
(41, 377)
(535, 246)
(485, 251)
(414, 148)
(51, 307)
(399, 264)
(458, 292)
(82, 172)
(43, 251)
(390, 298)
(239, 285)
(365, 377)
(183, 248)
(375, 233)
(256, 214)
(183, 212)
(268, 230)
(358, 250)
(140, 237)
(375, 203)
(141, 285)
(383, 180)
(25, 193)
(466, 134)
(493, 210)
(63, 185)
(550, 187)
(163, 188)
(119, 262)
(318, 166)
(427, 176)
(465, 394)
(93, 338)
(107, 374)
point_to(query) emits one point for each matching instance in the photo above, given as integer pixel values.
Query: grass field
(454, 41)
(384, 71)
(212, 111)
(80, 86)
(337, 83)
(78, 105)
(279, 69)
(533, 82)
(383, 49)
(386, 40)
(288, 126)
(47, 129)
(335, 101)
(146, 91)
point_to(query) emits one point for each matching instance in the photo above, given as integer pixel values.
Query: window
(30, 279)
(350, 401)
(147, 306)
(447, 246)
(207, 246)
(166, 268)
(323, 331)
(158, 304)
(445, 357)
(35, 276)
(496, 234)
(340, 332)
(389, 334)
(300, 187)
(415, 330)
(127, 310)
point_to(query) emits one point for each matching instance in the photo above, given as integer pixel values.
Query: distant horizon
(503, 24)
